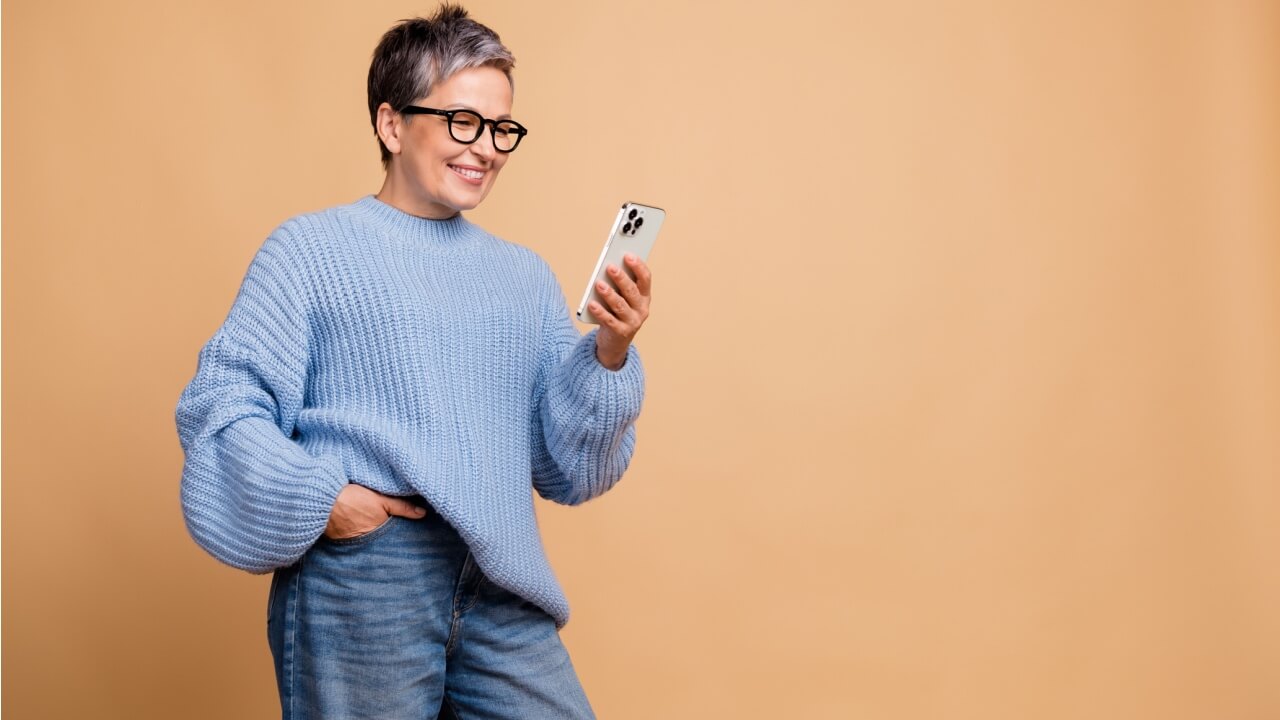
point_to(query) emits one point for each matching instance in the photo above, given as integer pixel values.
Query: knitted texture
(412, 356)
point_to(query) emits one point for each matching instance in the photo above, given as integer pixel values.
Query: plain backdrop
(963, 366)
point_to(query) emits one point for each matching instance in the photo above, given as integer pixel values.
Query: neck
(395, 193)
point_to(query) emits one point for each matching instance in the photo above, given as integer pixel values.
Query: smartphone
(634, 231)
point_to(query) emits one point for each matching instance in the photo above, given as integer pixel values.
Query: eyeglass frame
(520, 130)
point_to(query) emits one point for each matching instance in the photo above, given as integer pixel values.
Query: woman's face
(440, 175)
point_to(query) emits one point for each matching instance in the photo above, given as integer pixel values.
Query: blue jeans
(400, 623)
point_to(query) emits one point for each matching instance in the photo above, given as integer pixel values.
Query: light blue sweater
(411, 356)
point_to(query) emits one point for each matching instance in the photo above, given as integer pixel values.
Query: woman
(389, 383)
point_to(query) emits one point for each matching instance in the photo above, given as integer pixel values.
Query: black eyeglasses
(465, 126)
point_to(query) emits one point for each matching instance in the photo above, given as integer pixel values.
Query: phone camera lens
(631, 215)
(626, 229)
(639, 222)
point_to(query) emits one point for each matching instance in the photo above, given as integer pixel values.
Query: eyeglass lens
(466, 126)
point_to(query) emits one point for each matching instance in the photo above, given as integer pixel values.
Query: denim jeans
(400, 623)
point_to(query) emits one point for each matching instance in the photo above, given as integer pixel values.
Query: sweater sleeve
(584, 413)
(251, 496)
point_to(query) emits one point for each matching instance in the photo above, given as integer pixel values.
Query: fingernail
(601, 287)
(420, 511)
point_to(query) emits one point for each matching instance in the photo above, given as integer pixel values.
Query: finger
(615, 302)
(626, 286)
(638, 301)
(404, 508)
(607, 319)
(644, 278)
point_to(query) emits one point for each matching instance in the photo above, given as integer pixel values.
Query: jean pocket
(363, 537)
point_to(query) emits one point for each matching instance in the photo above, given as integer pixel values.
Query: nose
(483, 146)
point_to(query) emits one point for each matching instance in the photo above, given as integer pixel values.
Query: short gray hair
(419, 53)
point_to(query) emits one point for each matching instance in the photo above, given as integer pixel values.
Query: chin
(464, 206)
(469, 203)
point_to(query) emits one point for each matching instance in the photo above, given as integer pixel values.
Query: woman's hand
(623, 312)
(359, 510)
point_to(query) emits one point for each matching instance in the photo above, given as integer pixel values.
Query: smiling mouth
(473, 175)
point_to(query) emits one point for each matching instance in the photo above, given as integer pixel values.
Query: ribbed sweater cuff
(614, 395)
(260, 508)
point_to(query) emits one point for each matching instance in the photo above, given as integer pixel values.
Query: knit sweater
(412, 356)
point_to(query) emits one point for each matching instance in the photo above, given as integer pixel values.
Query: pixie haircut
(419, 53)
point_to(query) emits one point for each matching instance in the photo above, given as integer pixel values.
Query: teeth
(473, 174)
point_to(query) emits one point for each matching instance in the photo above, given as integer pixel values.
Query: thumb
(404, 508)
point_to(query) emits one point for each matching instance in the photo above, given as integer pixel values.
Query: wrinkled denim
(401, 623)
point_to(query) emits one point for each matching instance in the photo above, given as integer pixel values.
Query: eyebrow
(464, 106)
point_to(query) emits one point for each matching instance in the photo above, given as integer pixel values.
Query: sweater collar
(398, 223)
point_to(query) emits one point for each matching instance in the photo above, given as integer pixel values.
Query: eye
(466, 121)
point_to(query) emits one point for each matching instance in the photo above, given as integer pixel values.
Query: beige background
(964, 361)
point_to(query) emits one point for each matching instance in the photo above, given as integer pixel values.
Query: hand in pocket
(359, 510)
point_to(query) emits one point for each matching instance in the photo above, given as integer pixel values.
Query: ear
(390, 125)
